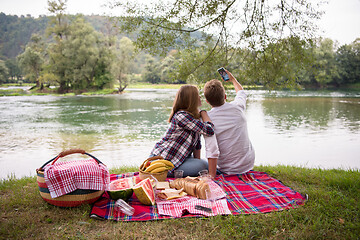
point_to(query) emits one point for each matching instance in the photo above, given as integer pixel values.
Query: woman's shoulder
(181, 115)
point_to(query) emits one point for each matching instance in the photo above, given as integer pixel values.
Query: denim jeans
(191, 166)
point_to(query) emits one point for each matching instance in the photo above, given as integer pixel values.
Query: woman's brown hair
(186, 99)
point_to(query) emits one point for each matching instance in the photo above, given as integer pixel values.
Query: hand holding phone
(223, 74)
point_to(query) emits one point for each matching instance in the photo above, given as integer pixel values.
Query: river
(313, 129)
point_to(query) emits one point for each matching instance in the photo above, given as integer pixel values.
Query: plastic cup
(124, 207)
(210, 198)
(178, 173)
(203, 173)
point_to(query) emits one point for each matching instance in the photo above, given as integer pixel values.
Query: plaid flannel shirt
(182, 138)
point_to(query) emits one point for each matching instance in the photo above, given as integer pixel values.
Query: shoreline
(16, 90)
(114, 170)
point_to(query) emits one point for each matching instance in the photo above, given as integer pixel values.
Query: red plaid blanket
(253, 192)
(65, 177)
(188, 204)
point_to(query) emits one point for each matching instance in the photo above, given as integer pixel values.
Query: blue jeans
(191, 166)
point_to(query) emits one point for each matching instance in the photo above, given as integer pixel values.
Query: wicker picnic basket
(161, 176)
(73, 199)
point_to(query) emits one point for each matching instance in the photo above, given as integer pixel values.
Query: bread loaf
(192, 186)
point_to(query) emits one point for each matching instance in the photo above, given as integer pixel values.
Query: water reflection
(306, 131)
(129, 118)
(285, 127)
(311, 114)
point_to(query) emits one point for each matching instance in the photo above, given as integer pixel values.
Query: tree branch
(221, 15)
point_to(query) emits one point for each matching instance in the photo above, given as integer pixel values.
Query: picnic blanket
(217, 205)
(65, 177)
(249, 193)
(192, 205)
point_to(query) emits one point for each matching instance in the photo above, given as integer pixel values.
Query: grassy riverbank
(140, 85)
(332, 212)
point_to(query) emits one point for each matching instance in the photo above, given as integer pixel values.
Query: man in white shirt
(230, 149)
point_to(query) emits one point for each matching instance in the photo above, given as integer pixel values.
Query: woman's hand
(205, 117)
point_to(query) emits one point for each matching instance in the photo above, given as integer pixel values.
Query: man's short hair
(214, 93)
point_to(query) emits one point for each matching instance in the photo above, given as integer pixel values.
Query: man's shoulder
(221, 108)
(221, 111)
(215, 110)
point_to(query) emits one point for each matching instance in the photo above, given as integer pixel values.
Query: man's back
(236, 152)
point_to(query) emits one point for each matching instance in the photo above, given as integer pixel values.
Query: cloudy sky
(341, 21)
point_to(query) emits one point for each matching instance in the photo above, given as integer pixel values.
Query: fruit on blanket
(159, 169)
(136, 179)
(166, 162)
(145, 164)
(158, 166)
(121, 188)
(144, 191)
(154, 166)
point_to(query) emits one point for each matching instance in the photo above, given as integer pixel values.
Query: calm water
(309, 129)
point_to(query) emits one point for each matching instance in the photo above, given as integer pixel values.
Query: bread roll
(192, 186)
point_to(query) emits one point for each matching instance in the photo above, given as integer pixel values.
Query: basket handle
(143, 165)
(154, 158)
(68, 152)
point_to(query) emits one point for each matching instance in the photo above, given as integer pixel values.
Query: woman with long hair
(181, 143)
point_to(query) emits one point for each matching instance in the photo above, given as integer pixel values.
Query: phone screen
(223, 74)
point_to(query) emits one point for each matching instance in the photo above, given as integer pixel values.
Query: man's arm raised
(235, 82)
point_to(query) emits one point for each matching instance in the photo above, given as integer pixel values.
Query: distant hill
(15, 32)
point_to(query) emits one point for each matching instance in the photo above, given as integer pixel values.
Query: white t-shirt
(231, 143)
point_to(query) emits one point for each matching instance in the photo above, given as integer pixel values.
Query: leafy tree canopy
(226, 26)
(227, 23)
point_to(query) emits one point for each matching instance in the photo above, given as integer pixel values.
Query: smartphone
(223, 74)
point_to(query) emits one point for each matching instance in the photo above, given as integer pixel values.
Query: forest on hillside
(91, 52)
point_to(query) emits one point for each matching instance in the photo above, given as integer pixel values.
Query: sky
(341, 21)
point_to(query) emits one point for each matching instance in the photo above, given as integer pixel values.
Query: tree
(32, 59)
(3, 72)
(87, 56)
(167, 68)
(79, 56)
(348, 61)
(14, 70)
(58, 28)
(279, 64)
(225, 26)
(324, 69)
(151, 73)
(124, 59)
(188, 58)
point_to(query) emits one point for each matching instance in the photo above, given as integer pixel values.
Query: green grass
(354, 87)
(332, 212)
(144, 85)
(100, 92)
(12, 92)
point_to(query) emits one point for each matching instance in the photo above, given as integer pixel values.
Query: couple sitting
(224, 127)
